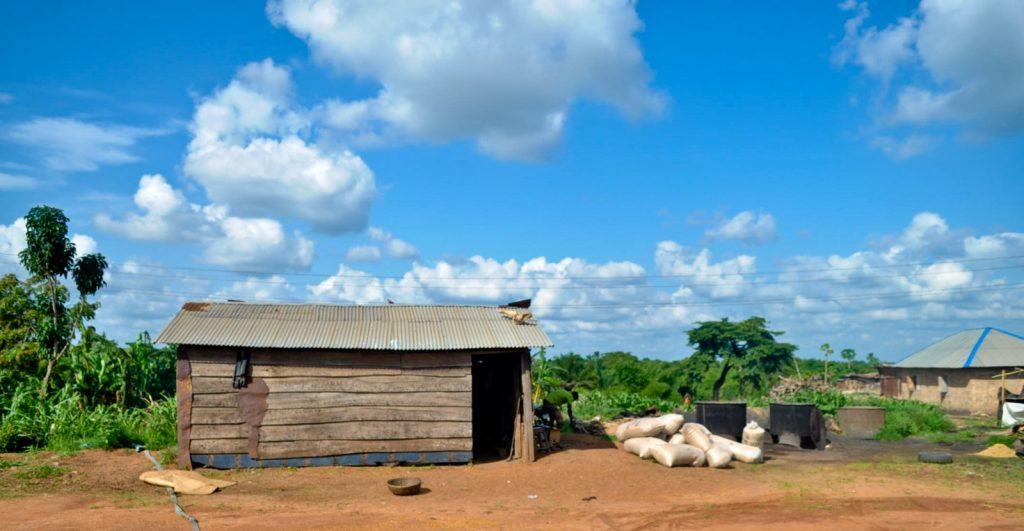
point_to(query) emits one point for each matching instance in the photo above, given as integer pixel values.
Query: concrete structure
(263, 385)
(959, 373)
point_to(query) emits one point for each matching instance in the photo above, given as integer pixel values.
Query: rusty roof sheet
(390, 327)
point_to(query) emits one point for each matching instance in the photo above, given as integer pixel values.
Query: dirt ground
(589, 484)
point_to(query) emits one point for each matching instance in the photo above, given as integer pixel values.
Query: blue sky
(701, 159)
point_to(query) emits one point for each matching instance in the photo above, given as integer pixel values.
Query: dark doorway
(496, 380)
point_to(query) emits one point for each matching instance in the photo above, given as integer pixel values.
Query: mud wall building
(961, 372)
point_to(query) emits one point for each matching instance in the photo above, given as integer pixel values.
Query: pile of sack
(672, 442)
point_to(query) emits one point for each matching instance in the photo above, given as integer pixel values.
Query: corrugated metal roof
(980, 347)
(390, 327)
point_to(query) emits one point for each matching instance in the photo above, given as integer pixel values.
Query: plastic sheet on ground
(1013, 414)
(184, 481)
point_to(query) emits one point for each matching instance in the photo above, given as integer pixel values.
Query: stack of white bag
(689, 444)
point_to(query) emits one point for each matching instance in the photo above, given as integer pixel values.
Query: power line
(513, 283)
(566, 277)
(736, 302)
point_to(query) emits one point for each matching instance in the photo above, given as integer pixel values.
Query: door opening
(496, 380)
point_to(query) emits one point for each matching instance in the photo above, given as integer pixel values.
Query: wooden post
(1002, 397)
(528, 446)
(183, 380)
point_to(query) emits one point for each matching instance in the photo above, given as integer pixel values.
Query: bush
(611, 404)
(828, 402)
(905, 418)
(64, 422)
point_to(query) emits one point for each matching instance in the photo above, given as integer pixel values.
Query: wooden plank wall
(323, 403)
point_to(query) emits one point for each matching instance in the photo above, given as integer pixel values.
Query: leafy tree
(827, 350)
(746, 346)
(873, 360)
(50, 255)
(849, 355)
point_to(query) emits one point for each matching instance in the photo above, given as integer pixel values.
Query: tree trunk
(53, 355)
(716, 390)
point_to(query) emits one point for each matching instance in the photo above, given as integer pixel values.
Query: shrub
(905, 418)
(828, 402)
(611, 404)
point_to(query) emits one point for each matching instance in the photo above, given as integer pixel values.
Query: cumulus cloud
(501, 73)
(363, 253)
(393, 247)
(748, 227)
(12, 241)
(963, 63)
(251, 152)
(16, 182)
(84, 244)
(231, 241)
(69, 144)
(272, 288)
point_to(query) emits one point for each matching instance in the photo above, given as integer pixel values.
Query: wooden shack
(261, 385)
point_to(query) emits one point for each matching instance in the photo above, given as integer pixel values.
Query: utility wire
(734, 302)
(426, 283)
(568, 277)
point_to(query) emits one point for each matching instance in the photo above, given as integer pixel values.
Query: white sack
(647, 427)
(672, 455)
(1013, 414)
(718, 456)
(740, 452)
(672, 422)
(753, 435)
(677, 438)
(697, 435)
(641, 446)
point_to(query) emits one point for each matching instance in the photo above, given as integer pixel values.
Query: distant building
(959, 373)
(262, 385)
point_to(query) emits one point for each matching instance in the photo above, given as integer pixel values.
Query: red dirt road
(589, 485)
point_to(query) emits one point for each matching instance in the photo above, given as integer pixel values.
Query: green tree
(49, 255)
(873, 360)
(849, 355)
(746, 346)
(826, 349)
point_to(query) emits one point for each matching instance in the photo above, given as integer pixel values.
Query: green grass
(40, 472)
(5, 464)
(953, 437)
(1008, 440)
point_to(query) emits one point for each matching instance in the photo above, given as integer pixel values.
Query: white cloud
(501, 73)
(963, 63)
(394, 247)
(748, 227)
(904, 148)
(166, 216)
(995, 245)
(258, 243)
(716, 280)
(249, 152)
(84, 244)
(68, 144)
(12, 241)
(272, 288)
(16, 182)
(363, 253)
(230, 241)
